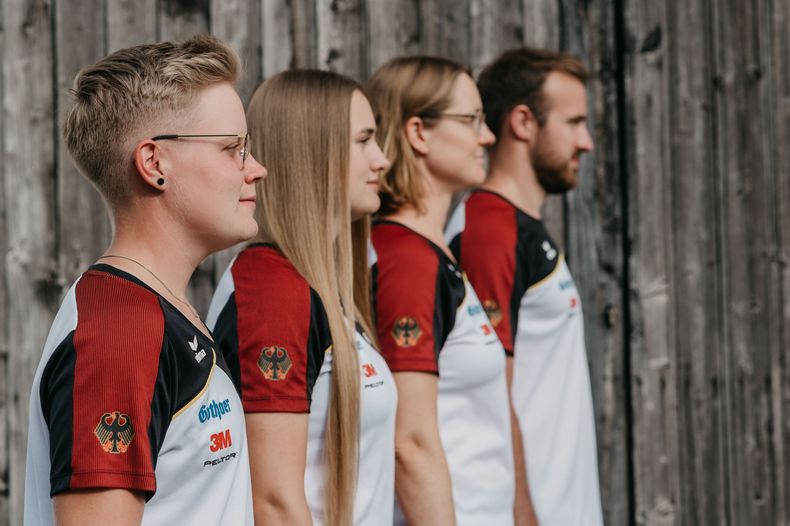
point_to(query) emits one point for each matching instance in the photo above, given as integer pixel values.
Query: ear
(522, 123)
(415, 134)
(149, 163)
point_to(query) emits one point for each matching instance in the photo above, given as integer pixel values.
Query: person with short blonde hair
(454, 461)
(133, 413)
(319, 400)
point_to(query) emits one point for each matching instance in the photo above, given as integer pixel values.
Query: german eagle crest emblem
(274, 363)
(494, 312)
(114, 432)
(406, 331)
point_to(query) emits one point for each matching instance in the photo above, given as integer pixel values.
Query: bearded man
(536, 105)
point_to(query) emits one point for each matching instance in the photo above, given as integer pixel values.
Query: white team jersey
(530, 296)
(248, 318)
(130, 395)
(430, 319)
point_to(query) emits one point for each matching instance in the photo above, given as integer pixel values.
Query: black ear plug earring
(160, 181)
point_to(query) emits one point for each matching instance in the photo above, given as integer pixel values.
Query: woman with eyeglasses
(454, 460)
(319, 400)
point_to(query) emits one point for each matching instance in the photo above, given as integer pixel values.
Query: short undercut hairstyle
(517, 77)
(122, 98)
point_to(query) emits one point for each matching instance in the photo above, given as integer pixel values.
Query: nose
(253, 170)
(486, 137)
(584, 142)
(379, 161)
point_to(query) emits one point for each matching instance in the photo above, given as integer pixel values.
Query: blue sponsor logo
(475, 309)
(566, 284)
(214, 409)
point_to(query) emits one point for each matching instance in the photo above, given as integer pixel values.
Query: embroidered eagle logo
(274, 363)
(493, 311)
(114, 432)
(406, 331)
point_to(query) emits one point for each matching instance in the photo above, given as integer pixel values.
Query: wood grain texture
(342, 34)
(31, 284)
(780, 372)
(751, 301)
(84, 227)
(444, 29)
(596, 233)
(277, 51)
(394, 29)
(129, 22)
(493, 28)
(181, 19)
(651, 288)
(4, 226)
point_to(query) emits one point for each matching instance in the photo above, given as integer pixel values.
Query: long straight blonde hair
(300, 128)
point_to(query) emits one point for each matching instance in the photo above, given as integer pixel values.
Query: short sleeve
(410, 322)
(487, 251)
(281, 333)
(97, 388)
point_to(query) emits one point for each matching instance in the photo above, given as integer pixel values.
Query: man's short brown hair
(128, 94)
(517, 77)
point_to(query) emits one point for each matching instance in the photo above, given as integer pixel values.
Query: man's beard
(556, 177)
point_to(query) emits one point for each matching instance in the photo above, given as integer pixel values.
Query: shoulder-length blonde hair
(300, 130)
(405, 87)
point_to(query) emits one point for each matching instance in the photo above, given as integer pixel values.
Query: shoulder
(490, 218)
(112, 308)
(403, 253)
(265, 265)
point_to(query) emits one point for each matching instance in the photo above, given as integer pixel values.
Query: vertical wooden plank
(653, 332)
(181, 19)
(493, 28)
(129, 22)
(444, 29)
(303, 23)
(83, 224)
(683, 42)
(751, 303)
(394, 29)
(237, 22)
(4, 416)
(29, 221)
(542, 23)
(342, 35)
(542, 29)
(276, 29)
(780, 102)
(595, 237)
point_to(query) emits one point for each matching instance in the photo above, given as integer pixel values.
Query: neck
(510, 174)
(429, 221)
(149, 247)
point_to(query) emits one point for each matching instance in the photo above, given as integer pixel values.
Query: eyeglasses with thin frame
(476, 119)
(245, 137)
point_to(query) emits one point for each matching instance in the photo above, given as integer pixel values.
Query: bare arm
(99, 506)
(523, 511)
(278, 452)
(422, 478)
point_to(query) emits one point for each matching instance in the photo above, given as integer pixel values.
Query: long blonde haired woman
(320, 401)
(453, 447)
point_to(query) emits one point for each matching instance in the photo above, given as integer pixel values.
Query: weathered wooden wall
(677, 232)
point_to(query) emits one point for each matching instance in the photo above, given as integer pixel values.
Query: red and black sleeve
(415, 309)
(98, 388)
(487, 251)
(282, 333)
